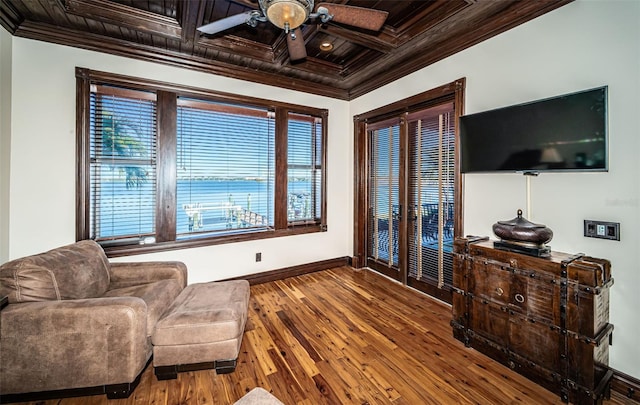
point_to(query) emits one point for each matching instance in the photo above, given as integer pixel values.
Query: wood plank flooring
(342, 336)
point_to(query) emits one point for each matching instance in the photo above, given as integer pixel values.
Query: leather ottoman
(202, 329)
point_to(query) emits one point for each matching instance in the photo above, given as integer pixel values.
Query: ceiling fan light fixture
(287, 14)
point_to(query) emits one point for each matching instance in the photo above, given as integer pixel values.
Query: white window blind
(122, 163)
(432, 181)
(225, 168)
(304, 168)
(162, 167)
(384, 195)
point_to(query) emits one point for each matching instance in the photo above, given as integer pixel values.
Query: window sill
(136, 249)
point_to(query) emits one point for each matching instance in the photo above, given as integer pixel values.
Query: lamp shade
(287, 14)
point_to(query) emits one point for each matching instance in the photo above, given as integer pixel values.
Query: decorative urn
(521, 231)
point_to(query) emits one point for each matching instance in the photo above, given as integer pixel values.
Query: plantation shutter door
(431, 192)
(122, 151)
(384, 194)
(225, 173)
(304, 168)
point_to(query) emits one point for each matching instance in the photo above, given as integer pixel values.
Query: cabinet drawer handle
(499, 291)
(520, 298)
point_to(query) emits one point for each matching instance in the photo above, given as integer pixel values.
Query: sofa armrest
(126, 274)
(74, 343)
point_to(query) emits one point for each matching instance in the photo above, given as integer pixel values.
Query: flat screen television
(564, 133)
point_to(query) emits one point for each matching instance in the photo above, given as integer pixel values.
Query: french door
(411, 195)
(431, 199)
(384, 211)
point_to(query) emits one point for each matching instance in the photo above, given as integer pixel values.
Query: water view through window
(225, 166)
(122, 154)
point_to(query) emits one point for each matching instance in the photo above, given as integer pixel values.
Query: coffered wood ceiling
(416, 34)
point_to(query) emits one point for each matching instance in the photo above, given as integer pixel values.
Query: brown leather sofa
(77, 321)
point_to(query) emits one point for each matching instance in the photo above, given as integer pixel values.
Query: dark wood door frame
(453, 91)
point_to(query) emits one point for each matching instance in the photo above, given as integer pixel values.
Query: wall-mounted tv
(564, 133)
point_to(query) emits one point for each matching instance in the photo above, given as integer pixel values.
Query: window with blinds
(162, 165)
(122, 150)
(225, 172)
(304, 168)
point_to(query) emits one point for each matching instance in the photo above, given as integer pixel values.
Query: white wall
(579, 46)
(43, 166)
(5, 139)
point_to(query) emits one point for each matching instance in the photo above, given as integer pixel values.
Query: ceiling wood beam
(389, 39)
(505, 16)
(319, 66)
(416, 34)
(123, 15)
(366, 40)
(99, 43)
(235, 44)
(190, 14)
(426, 19)
(10, 17)
(247, 3)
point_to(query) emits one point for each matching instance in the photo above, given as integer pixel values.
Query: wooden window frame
(166, 203)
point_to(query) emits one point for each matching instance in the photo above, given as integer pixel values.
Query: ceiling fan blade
(360, 17)
(297, 49)
(225, 23)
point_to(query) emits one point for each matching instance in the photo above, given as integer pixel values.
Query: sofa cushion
(158, 296)
(76, 271)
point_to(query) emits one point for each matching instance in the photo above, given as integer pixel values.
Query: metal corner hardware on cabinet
(546, 318)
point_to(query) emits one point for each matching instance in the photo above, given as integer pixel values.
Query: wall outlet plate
(602, 229)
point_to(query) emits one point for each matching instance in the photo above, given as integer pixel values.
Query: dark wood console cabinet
(546, 318)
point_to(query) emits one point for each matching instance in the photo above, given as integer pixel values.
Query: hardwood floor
(345, 337)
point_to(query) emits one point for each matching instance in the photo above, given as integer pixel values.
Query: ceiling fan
(289, 15)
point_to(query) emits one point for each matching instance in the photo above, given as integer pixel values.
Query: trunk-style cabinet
(546, 318)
